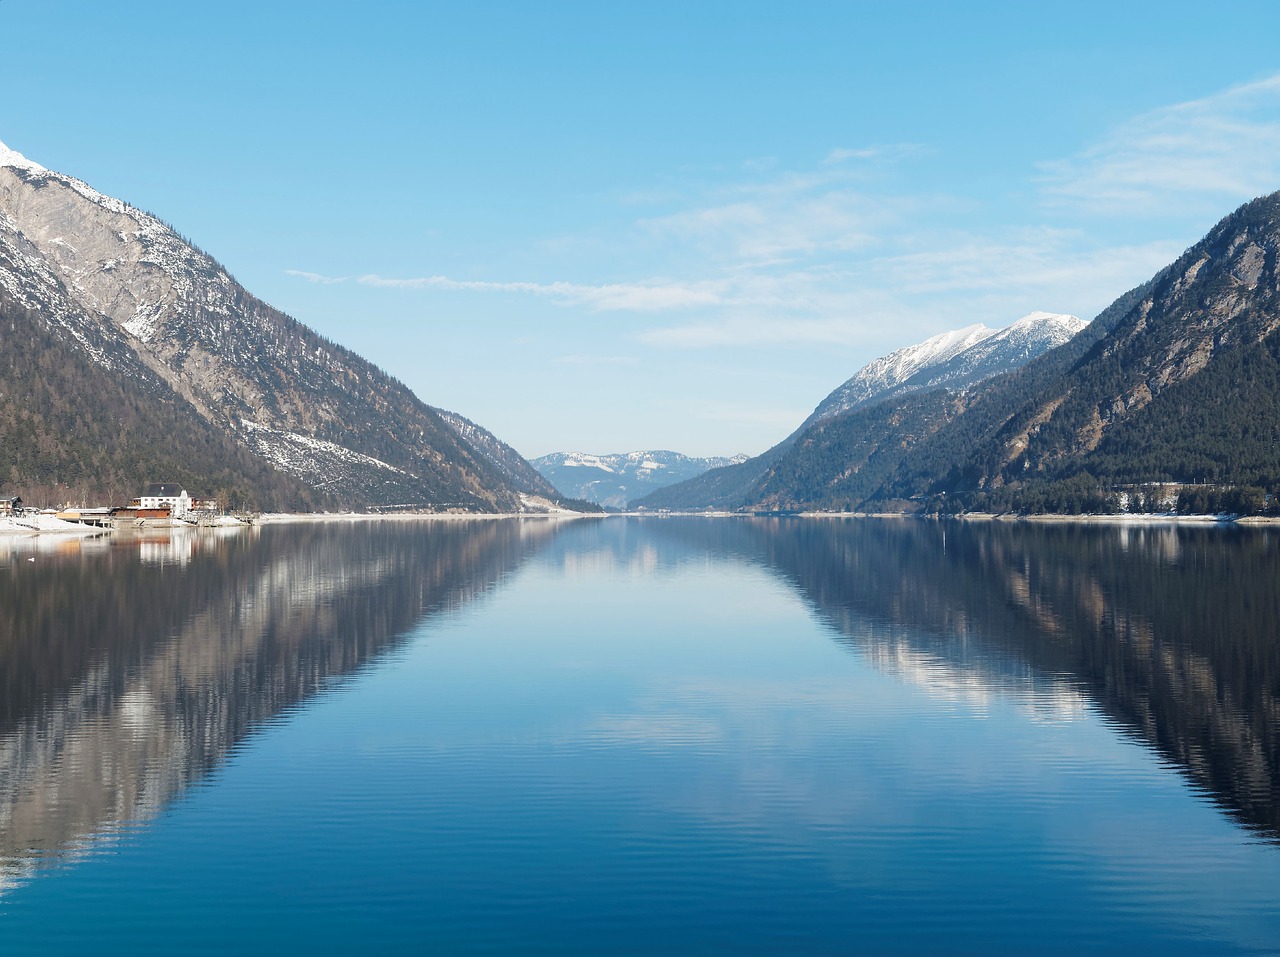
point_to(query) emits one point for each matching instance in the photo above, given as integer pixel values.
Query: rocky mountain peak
(126, 282)
(953, 359)
(10, 157)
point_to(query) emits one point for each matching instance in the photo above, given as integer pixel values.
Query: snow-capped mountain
(952, 359)
(616, 479)
(1177, 382)
(125, 292)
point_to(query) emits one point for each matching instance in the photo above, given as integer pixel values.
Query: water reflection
(1173, 632)
(128, 671)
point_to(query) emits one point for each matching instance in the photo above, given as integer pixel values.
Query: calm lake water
(642, 736)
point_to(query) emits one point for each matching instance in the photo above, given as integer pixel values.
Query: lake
(662, 735)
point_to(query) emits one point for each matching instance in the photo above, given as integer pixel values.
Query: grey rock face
(134, 293)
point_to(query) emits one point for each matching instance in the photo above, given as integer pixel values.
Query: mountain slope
(615, 479)
(841, 462)
(1171, 383)
(845, 449)
(952, 359)
(113, 276)
(74, 430)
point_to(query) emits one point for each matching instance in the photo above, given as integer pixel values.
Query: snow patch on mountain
(952, 359)
(15, 159)
(509, 463)
(616, 479)
(306, 457)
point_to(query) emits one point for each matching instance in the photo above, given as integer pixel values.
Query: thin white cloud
(654, 296)
(1029, 259)
(590, 360)
(740, 331)
(884, 302)
(316, 277)
(875, 151)
(1221, 148)
(769, 230)
(821, 257)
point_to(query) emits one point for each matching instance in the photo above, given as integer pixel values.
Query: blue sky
(605, 227)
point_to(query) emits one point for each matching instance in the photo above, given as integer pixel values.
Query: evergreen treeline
(844, 462)
(71, 431)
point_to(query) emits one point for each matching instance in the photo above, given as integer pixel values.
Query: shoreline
(54, 527)
(1118, 518)
(287, 518)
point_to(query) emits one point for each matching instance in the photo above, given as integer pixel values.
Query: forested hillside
(70, 431)
(126, 294)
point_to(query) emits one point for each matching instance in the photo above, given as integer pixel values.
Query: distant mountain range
(947, 363)
(614, 480)
(1176, 382)
(127, 356)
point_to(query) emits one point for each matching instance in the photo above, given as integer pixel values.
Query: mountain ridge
(1175, 384)
(614, 479)
(129, 292)
(954, 360)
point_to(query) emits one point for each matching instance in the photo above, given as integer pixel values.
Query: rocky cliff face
(134, 295)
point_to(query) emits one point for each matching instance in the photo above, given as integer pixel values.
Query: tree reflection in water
(128, 673)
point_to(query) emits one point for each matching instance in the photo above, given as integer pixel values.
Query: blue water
(661, 736)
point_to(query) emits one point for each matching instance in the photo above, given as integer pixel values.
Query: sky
(604, 227)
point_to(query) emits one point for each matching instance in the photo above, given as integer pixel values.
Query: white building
(166, 496)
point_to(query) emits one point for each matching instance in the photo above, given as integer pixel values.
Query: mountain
(1177, 381)
(286, 417)
(614, 480)
(952, 361)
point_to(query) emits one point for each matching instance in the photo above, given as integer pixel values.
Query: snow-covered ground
(44, 525)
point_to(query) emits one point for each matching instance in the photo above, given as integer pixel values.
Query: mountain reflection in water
(129, 672)
(1171, 631)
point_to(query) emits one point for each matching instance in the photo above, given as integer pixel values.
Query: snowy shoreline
(45, 525)
(48, 525)
(1119, 518)
(285, 518)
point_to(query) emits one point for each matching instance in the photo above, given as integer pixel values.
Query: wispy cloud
(590, 360)
(758, 331)
(651, 296)
(1224, 147)
(1042, 258)
(834, 254)
(877, 151)
(776, 227)
(315, 277)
